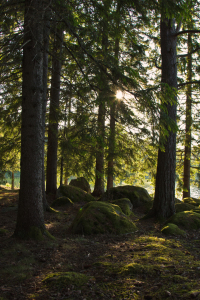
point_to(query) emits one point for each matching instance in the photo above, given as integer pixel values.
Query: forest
(98, 99)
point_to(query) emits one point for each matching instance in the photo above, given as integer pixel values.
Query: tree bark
(13, 181)
(64, 159)
(46, 32)
(51, 176)
(99, 179)
(30, 219)
(111, 151)
(187, 155)
(99, 176)
(164, 201)
(110, 175)
(61, 170)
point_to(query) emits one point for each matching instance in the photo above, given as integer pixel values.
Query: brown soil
(175, 272)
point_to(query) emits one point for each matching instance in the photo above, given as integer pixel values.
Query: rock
(125, 205)
(81, 183)
(195, 294)
(100, 217)
(172, 229)
(177, 200)
(62, 201)
(183, 207)
(192, 201)
(137, 195)
(187, 219)
(73, 193)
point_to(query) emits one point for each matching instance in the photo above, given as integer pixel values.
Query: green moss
(52, 210)
(179, 279)
(3, 231)
(194, 293)
(177, 201)
(74, 193)
(179, 207)
(62, 201)
(81, 183)
(36, 233)
(187, 219)
(62, 279)
(103, 264)
(101, 217)
(46, 233)
(125, 205)
(151, 268)
(147, 206)
(192, 201)
(137, 268)
(137, 195)
(172, 229)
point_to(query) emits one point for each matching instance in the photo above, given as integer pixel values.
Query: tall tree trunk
(110, 175)
(99, 171)
(164, 201)
(187, 156)
(111, 150)
(61, 170)
(51, 176)
(99, 179)
(30, 219)
(64, 131)
(68, 126)
(13, 181)
(46, 32)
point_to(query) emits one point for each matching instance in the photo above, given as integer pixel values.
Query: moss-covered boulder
(63, 279)
(187, 219)
(172, 229)
(125, 205)
(137, 195)
(177, 200)
(179, 207)
(81, 183)
(73, 193)
(62, 201)
(192, 201)
(100, 217)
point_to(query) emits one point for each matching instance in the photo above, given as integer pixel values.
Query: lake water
(194, 191)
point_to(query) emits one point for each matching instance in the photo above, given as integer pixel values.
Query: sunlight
(119, 94)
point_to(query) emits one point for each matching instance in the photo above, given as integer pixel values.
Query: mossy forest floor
(141, 265)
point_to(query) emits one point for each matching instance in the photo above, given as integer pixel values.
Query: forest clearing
(145, 264)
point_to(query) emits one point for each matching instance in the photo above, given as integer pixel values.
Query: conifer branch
(189, 82)
(187, 54)
(157, 66)
(187, 31)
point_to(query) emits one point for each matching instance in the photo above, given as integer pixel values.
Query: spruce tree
(30, 217)
(51, 176)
